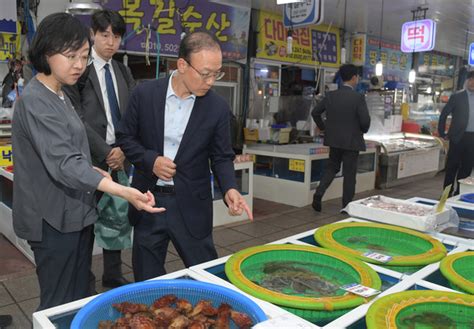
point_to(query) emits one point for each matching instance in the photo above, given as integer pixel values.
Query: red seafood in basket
(171, 312)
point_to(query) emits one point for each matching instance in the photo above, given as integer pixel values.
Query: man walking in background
(347, 119)
(461, 134)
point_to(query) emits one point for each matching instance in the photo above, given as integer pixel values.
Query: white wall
(47, 7)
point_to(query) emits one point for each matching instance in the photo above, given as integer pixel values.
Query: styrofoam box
(466, 185)
(420, 223)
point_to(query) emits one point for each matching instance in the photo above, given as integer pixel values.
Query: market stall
(289, 174)
(405, 157)
(428, 277)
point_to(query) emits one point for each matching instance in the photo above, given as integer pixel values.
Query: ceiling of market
(454, 18)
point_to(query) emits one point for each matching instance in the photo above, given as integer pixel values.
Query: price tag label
(378, 257)
(296, 165)
(360, 290)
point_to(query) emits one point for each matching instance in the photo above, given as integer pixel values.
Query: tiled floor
(19, 289)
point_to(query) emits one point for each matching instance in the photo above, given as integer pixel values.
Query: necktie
(112, 97)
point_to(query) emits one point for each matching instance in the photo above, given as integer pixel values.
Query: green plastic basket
(459, 270)
(422, 309)
(410, 250)
(304, 280)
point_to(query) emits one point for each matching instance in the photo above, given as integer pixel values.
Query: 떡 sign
(303, 13)
(471, 54)
(168, 18)
(418, 36)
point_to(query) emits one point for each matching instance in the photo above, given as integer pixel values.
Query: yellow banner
(310, 43)
(358, 49)
(296, 165)
(10, 45)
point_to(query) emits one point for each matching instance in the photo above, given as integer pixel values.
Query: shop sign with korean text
(418, 36)
(303, 13)
(471, 54)
(396, 64)
(436, 63)
(229, 24)
(8, 16)
(358, 42)
(308, 42)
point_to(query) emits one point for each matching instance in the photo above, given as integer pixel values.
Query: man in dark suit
(461, 134)
(102, 94)
(347, 119)
(175, 131)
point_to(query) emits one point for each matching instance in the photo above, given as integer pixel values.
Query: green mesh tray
(304, 280)
(459, 270)
(422, 309)
(406, 247)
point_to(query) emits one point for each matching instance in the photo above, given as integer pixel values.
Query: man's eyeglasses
(72, 59)
(207, 76)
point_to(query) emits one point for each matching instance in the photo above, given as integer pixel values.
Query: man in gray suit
(347, 119)
(461, 134)
(102, 94)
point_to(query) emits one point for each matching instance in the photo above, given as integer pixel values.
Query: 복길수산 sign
(170, 17)
(418, 36)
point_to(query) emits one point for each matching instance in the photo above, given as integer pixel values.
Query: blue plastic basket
(147, 292)
(469, 197)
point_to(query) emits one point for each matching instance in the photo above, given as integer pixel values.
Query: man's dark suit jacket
(87, 98)
(458, 107)
(347, 119)
(206, 141)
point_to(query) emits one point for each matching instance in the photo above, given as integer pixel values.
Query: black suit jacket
(347, 119)
(458, 107)
(88, 101)
(206, 141)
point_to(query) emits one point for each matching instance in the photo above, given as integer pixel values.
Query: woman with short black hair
(54, 185)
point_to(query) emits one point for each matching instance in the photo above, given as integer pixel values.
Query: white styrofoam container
(466, 185)
(421, 223)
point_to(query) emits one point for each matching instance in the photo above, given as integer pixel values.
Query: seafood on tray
(171, 312)
(380, 202)
(468, 180)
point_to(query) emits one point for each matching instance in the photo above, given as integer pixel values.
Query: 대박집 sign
(471, 54)
(303, 13)
(418, 36)
(308, 42)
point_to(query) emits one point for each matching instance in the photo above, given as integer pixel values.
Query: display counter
(244, 177)
(405, 157)
(289, 174)
(426, 278)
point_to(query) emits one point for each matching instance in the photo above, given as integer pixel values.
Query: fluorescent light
(412, 76)
(343, 55)
(379, 68)
(82, 7)
(263, 70)
(284, 2)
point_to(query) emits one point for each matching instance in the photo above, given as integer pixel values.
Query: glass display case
(289, 174)
(405, 157)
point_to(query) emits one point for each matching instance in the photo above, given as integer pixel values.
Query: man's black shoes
(317, 203)
(115, 282)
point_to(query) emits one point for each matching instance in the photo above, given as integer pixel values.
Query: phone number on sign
(167, 47)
